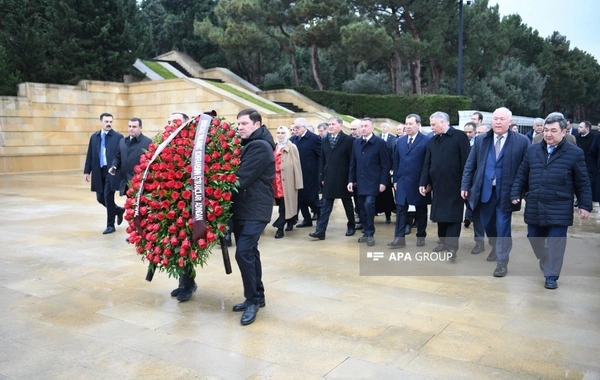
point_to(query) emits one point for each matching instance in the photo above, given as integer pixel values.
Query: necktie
(384, 137)
(550, 150)
(102, 149)
(409, 142)
(498, 147)
(332, 141)
(364, 141)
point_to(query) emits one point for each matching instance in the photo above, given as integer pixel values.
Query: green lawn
(243, 95)
(157, 68)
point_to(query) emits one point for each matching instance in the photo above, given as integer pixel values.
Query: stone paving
(75, 305)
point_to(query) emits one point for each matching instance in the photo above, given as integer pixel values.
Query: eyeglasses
(280, 133)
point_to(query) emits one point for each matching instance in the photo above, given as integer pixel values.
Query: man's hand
(424, 190)
(464, 194)
(395, 186)
(112, 171)
(583, 214)
(87, 177)
(349, 187)
(381, 188)
(515, 201)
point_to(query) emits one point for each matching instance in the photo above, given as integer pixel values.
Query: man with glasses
(101, 152)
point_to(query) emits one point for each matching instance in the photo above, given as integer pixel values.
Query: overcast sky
(578, 20)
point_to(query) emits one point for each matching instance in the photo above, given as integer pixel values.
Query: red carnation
(218, 193)
(208, 191)
(185, 214)
(181, 205)
(210, 216)
(172, 229)
(165, 261)
(171, 215)
(227, 156)
(225, 125)
(231, 178)
(216, 122)
(193, 255)
(222, 138)
(182, 234)
(160, 216)
(157, 250)
(216, 166)
(237, 152)
(202, 243)
(224, 145)
(216, 154)
(231, 133)
(186, 194)
(175, 195)
(210, 237)
(218, 210)
(180, 263)
(179, 222)
(226, 166)
(174, 241)
(167, 252)
(143, 210)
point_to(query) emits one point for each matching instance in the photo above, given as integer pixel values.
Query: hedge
(395, 107)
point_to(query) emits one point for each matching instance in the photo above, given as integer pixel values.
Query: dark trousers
(247, 233)
(367, 213)
(303, 207)
(281, 220)
(327, 207)
(549, 242)
(401, 220)
(497, 225)
(449, 234)
(478, 230)
(107, 199)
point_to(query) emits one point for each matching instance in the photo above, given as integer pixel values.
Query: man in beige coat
(288, 180)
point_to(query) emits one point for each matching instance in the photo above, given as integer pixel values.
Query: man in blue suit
(309, 149)
(101, 152)
(487, 180)
(369, 172)
(408, 164)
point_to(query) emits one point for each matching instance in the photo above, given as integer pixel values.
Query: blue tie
(102, 148)
(550, 150)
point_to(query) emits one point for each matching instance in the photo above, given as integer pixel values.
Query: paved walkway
(75, 305)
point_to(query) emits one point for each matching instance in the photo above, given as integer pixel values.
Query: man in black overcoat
(129, 152)
(445, 160)
(336, 150)
(385, 201)
(101, 152)
(309, 149)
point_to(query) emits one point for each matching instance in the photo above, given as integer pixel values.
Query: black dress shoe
(371, 241)
(500, 270)
(317, 235)
(120, 216)
(492, 256)
(184, 294)
(397, 243)
(289, 227)
(479, 247)
(550, 284)
(242, 306)
(249, 314)
(439, 248)
(350, 232)
(388, 220)
(452, 254)
(359, 226)
(420, 242)
(279, 234)
(304, 224)
(467, 223)
(407, 230)
(108, 230)
(363, 239)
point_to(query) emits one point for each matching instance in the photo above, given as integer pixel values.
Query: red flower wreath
(164, 235)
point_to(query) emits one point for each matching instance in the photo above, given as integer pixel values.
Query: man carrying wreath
(252, 207)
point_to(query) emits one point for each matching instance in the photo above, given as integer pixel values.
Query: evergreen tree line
(359, 46)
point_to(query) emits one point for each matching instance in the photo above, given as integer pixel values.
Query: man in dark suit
(445, 159)
(487, 180)
(309, 149)
(538, 127)
(409, 156)
(336, 150)
(101, 152)
(385, 201)
(571, 130)
(129, 152)
(368, 174)
(548, 176)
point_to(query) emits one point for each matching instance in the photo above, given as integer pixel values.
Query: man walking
(548, 176)
(101, 152)
(487, 179)
(336, 150)
(409, 156)
(368, 174)
(252, 207)
(445, 159)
